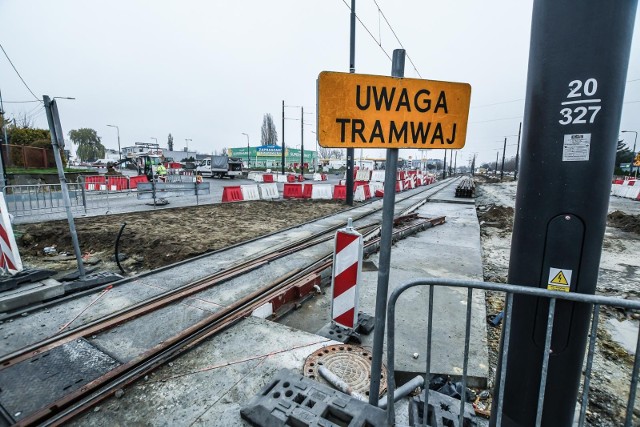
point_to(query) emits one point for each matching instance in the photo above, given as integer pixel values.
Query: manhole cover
(351, 363)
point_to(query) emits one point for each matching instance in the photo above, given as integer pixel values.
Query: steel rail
(176, 294)
(102, 387)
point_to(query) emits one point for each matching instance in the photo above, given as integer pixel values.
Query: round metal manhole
(351, 363)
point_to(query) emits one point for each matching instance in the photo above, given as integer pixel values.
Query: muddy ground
(619, 276)
(156, 238)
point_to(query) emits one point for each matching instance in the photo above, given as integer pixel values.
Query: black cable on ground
(117, 254)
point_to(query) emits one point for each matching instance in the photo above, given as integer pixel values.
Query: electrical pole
(302, 141)
(504, 150)
(515, 173)
(5, 143)
(283, 150)
(444, 166)
(352, 69)
(455, 164)
(496, 171)
(559, 227)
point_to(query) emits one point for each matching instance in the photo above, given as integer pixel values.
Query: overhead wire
(380, 12)
(18, 73)
(365, 27)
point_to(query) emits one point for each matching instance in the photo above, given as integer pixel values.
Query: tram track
(89, 394)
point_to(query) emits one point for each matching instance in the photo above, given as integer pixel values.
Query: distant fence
(96, 192)
(20, 156)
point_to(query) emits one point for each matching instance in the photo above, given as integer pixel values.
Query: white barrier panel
(258, 177)
(251, 176)
(317, 177)
(9, 257)
(321, 191)
(618, 189)
(363, 175)
(374, 186)
(250, 192)
(633, 190)
(358, 196)
(269, 191)
(377, 176)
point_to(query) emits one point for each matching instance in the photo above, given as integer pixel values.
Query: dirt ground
(619, 276)
(156, 238)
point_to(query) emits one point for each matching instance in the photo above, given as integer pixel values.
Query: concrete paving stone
(30, 293)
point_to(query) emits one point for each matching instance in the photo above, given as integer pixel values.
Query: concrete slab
(30, 293)
(209, 384)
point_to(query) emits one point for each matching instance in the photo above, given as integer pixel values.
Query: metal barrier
(25, 200)
(510, 290)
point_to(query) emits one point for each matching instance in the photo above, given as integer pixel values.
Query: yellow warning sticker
(559, 279)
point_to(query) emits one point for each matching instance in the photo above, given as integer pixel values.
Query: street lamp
(151, 137)
(248, 158)
(118, 130)
(634, 149)
(186, 141)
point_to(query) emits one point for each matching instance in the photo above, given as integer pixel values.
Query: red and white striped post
(345, 280)
(9, 257)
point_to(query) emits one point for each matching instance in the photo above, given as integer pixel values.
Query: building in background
(270, 156)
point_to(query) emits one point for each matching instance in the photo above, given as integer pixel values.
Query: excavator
(145, 163)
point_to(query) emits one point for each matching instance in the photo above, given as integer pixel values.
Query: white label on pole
(576, 147)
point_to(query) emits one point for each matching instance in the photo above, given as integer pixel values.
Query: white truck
(220, 166)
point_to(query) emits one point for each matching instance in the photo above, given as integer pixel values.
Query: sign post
(364, 111)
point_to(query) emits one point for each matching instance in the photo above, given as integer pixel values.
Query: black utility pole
(302, 141)
(283, 150)
(455, 164)
(578, 61)
(504, 151)
(444, 166)
(515, 173)
(352, 69)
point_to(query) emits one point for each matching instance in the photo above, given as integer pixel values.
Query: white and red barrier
(629, 189)
(250, 192)
(345, 280)
(269, 191)
(10, 257)
(377, 176)
(321, 192)
(363, 175)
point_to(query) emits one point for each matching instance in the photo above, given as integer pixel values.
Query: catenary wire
(16, 70)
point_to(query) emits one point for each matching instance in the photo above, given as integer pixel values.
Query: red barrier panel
(357, 184)
(323, 176)
(618, 181)
(340, 192)
(135, 180)
(379, 193)
(307, 189)
(367, 192)
(117, 183)
(401, 175)
(300, 178)
(412, 173)
(292, 191)
(94, 182)
(291, 178)
(232, 194)
(398, 186)
(267, 177)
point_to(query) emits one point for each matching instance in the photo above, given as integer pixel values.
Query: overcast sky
(210, 70)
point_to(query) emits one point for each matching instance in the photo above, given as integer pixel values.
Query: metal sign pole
(352, 69)
(388, 207)
(578, 62)
(57, 141)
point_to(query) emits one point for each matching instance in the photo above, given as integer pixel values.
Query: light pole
(634, 149)
(186, 141)
(156, 139)
(118, 130)
(248, 157)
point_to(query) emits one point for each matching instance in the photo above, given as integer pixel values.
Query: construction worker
(162, 172)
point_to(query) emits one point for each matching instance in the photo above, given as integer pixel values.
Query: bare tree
(324, 153)
(22, 120)
(336, 154)
(268, 133)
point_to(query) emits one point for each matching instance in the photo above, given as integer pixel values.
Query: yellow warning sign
(559, 279)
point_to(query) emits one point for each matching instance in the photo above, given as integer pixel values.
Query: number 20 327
(580, 106)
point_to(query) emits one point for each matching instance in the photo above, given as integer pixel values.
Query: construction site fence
(595, 302)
